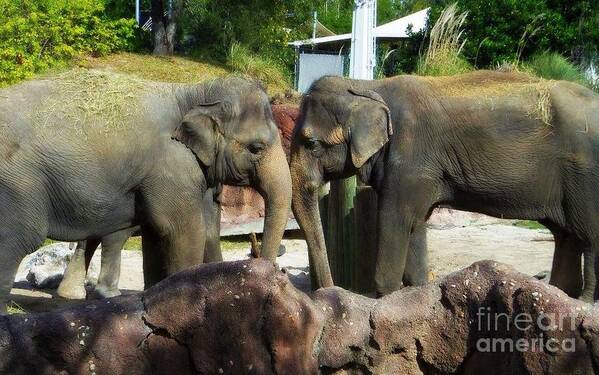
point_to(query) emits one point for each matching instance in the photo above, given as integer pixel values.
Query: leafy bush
(494, 28)
(443, 56)
(36, 35)
(243, 61)
(554, 66)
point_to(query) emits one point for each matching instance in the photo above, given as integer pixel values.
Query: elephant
(503, 144)
(72, 285)
(88, 153)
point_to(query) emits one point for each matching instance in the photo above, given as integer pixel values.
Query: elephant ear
(369, 125)
(198, 131)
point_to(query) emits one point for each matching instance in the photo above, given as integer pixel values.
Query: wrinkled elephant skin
(102, 152)
(508, 145)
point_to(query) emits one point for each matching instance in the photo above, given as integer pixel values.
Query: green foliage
(36, 35)
(337, 14)
(554, 66)
(262, 26)
(495, 28)
(243, 61)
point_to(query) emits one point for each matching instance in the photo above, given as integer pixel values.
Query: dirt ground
(455, 241)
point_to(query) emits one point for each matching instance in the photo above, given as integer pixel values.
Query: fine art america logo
(532, 334)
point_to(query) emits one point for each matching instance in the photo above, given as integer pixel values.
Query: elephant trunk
(306, 212)
(274, 184)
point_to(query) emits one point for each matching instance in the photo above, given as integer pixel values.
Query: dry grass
(178, 69)
(445, 46)
(489, 85)
(103, 99)
(173, 69)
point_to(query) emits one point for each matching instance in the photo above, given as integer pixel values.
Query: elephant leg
(401, 211)
(110, 268)
(153, 263)
(173, 238)
(212, 211)
(591, 264)
(72, 285)
(566, 271)
(14, 246)
(416, 272)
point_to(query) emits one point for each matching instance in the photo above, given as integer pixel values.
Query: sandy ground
(453, 244)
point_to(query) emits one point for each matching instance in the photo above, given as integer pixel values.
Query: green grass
(15, 308)
(241, 60)
(443, 64)
(133, 243)
(232, 243)
(48, 241)
(528, 224)
(551, 65)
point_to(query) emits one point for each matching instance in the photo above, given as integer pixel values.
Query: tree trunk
(164, 25)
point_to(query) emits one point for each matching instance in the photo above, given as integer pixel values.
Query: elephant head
(231, 131)
(342, 125)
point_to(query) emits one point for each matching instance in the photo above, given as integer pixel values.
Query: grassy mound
(173, 69)
(178, 69)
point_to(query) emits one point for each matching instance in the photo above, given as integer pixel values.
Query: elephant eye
(311, 143)
(256, 147)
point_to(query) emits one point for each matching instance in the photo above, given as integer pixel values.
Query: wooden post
(340, 231)
(366, 249)
(349, 220)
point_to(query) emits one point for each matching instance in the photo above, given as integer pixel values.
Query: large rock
(234, 318)
(45, 267)
(245, 317)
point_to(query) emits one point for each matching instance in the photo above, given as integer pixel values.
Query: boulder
(45, 267)
(245, 317)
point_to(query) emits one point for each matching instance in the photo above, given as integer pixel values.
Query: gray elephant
(72, 285)
(86, 153)
(506, 145)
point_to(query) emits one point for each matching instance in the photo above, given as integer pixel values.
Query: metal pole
(314, 20)
(137, 11)
(362, 54)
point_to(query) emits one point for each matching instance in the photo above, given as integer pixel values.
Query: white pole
(314, 20)
(363, 46)
(137, 11)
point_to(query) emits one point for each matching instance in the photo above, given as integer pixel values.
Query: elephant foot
(71, 292)
(100, 292)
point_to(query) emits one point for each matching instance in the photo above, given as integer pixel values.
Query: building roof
(397, 29)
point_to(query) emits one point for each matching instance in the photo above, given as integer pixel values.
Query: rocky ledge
(245, 317)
